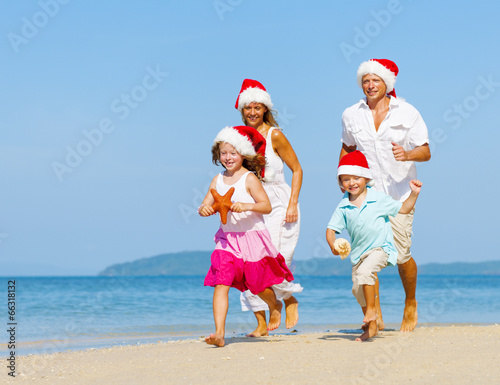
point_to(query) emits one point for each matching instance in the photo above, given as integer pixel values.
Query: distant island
(198, 262)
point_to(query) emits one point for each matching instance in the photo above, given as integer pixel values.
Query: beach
(455, 354)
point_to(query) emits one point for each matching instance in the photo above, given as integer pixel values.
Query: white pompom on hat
(253, 92)
(384, 68)
(354, 163)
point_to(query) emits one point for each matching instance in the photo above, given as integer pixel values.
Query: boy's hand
(415, 186)
(206, 210)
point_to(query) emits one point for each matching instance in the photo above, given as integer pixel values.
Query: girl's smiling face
(229, 157)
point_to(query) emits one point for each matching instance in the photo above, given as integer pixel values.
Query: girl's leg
(220, 306)
(269, 297)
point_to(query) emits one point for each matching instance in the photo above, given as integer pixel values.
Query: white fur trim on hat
(374, 67)
(241, 143)
(355, 170)
(254, 95)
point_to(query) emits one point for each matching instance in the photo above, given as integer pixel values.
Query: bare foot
(380, 323)
(274, 316)
(213, 339)
(410, 316)
(370, 315)
(370, 331)
(259, 332)
(292, 312)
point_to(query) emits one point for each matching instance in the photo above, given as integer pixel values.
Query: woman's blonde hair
(253, 163)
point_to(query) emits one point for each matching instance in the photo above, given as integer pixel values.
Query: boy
(365, 213)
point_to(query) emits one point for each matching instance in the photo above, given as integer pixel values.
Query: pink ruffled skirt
(246, 261)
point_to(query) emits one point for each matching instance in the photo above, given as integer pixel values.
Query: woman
(283, 222)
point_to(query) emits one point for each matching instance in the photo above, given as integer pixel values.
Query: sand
(463, 354)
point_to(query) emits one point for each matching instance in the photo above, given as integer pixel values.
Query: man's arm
(346, 150)
(418, 154)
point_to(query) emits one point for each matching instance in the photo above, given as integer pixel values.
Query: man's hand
(399, 152)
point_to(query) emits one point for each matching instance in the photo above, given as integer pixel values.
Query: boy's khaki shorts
(363, 273)
(402, 225)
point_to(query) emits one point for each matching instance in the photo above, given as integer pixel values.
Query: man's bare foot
(274, 316)
(370, 330)
(410, 316)
(292, 312)
(216, 340)
(259, 332)
(370, 315)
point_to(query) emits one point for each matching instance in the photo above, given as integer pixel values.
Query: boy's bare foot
(370, 315)
(292, 312)
(274, 316)
(410, 316)
(259, 332)
(380, 324)
(370, 330)
(213, 339)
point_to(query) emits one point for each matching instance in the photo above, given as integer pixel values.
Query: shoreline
(53, 346)
(452, 354)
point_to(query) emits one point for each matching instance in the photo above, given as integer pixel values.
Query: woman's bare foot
(259, 332)
(216, 340)
(292, 312)
(370, 315)
(370, 330)
(274, 316)
(410, 316)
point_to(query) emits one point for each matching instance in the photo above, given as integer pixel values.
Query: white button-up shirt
(402, 125)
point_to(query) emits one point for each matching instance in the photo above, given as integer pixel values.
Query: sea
(55, 314)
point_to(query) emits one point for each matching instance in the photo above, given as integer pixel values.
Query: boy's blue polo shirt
(368, 226)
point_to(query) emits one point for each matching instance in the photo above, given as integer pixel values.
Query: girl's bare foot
(370, 330)
(274, 316)
(292, 312)
(216, 340)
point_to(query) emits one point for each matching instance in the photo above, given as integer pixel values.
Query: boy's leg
(220, 307)
(269, 297)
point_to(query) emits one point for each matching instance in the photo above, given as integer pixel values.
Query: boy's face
(354, 185)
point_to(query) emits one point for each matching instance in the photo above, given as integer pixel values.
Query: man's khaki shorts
(402, 225)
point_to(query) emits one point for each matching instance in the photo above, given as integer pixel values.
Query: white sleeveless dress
(284, 235)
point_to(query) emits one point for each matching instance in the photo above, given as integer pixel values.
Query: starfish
(222, 203)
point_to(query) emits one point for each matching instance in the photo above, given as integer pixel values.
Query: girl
(244, 256)
(283, 223)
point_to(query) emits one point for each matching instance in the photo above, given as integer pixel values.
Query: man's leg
(402, 228)
(408, 274)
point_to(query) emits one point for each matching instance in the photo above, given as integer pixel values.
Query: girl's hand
(415, 186)
(239, 207)
(292, 214)
(206, 210)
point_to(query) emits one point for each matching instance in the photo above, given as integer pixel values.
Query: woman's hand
(292, 213)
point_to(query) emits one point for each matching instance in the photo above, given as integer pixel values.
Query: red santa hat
(252, 92)
(246, 140)
(354, 163)
(386, 69)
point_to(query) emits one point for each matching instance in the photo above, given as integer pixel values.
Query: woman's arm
(285, 151)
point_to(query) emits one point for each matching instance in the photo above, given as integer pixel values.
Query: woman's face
(253, 114)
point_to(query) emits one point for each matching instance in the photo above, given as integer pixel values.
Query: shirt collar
(394, 102)
(370, 198)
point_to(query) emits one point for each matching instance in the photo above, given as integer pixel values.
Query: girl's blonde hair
(255, 163)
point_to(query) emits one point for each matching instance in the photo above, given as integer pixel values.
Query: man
(393, 136)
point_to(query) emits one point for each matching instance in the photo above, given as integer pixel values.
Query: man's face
(373, 87)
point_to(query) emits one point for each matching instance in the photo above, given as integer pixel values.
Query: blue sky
(110, 109)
